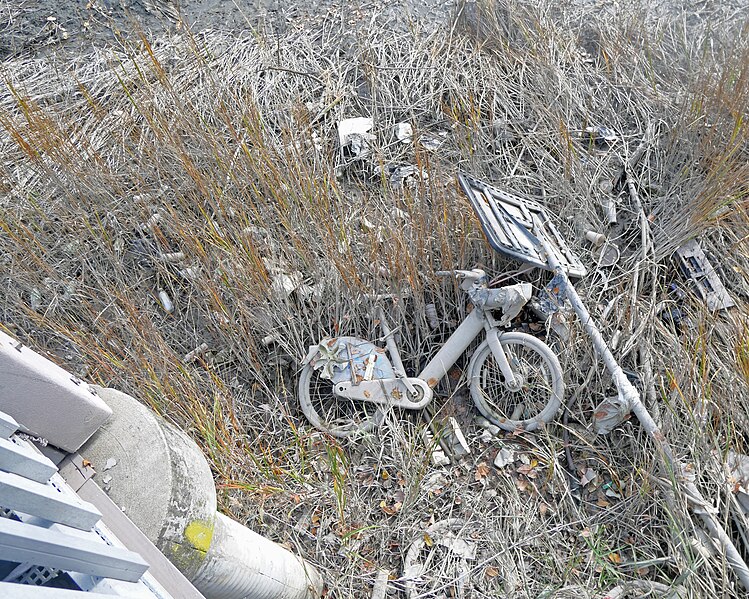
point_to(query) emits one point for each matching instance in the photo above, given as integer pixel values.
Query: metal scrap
(698, 269)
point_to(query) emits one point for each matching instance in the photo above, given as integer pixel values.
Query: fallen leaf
(527, 470)
(428, 540)
(543, 509)
(615, 558)
(491, 572)
(391, 510)
(482, 471)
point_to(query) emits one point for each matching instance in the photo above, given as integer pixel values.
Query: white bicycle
(347, 384)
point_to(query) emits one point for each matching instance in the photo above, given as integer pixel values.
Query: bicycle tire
(334, 415)
(542, 383)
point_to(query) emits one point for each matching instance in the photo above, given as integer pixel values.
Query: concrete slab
(45, 399)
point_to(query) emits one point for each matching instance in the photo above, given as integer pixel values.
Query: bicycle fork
(512, 381)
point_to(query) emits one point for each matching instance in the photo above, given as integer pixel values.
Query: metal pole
(630, 397)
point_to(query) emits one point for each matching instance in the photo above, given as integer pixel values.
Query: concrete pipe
(161, 480)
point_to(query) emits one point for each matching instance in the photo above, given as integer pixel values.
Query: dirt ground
(41, 27)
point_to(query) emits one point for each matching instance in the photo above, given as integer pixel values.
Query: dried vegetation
(204, 166)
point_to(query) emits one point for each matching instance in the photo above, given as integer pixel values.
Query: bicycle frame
(458, 343)
(388, 391)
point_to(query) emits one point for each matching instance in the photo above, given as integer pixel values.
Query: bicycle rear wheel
(335, 415)
(541, 383)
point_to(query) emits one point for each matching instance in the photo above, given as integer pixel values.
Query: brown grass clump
(203, 168)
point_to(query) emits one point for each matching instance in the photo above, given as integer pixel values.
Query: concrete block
(45, 399)
(138, 455)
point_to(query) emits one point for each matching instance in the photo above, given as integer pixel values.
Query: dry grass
(230, 141)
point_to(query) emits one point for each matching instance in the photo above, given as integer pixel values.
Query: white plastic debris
(438, 456)
(460, 446)
(600, 137)
(283, 285)
(433, 142)
(111, 463)
(35, 299)
(505, 456)
(153, 221)
(595, 238)
(272, 338)
(404, 132)
(609, 414)
(191, 273)
(354, 137)
(166, 301)
(401, 176)
(460, 547)
(588, 476)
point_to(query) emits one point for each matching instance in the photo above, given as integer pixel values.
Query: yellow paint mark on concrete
(199, 534)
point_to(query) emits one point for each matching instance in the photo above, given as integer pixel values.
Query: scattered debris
(195, 353)
(174, 257)
(609, 414)
(431, 313)
(354, 137)
(165, 301)
(698, 269)
(401, 176)
(597, 239)
(737, 465)
(453, 435)
(600, 138)
(447, 534)
(283, 285)
(433, 142)
(404, 132)
(110, 463)
(35, 299)
(505, 456)
(608, 255)
(439, 458)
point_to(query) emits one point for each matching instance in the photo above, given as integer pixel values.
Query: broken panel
(697, 268)
(508, 220)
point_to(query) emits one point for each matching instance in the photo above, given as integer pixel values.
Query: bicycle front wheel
(539, 394)
(335, 415)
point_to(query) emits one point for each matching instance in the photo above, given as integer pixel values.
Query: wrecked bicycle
(347, 384)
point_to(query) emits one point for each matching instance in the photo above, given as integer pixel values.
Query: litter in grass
(118, 161)
(354, 137)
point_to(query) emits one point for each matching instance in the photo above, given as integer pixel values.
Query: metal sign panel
(512, 225)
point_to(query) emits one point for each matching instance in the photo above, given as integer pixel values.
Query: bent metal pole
(630, 397)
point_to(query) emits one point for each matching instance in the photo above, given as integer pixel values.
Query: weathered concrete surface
(162, 481)
(158, 476)
(46, 400)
